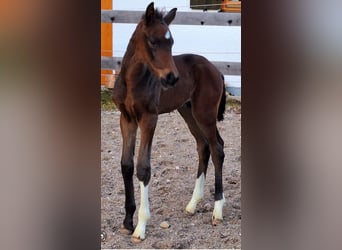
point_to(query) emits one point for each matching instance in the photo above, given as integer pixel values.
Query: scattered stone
(103, 236)
(164, 225)
(108, 192)
(181, 245)
(160, 245)
(224, 235)
(122, 211)
(160, 211)
(232, 182)
(236, 205)
(121, 192)
(207, 207)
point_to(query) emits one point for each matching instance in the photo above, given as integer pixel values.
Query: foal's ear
(149, 14)
(168, 18)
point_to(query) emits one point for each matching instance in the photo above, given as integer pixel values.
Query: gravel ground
(174, 168)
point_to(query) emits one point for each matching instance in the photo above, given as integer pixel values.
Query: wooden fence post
(107, 76)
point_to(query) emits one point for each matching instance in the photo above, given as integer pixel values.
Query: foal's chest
(136, 95)
(141, 100)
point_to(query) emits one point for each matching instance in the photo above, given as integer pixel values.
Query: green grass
(106, 100)
(233, 104)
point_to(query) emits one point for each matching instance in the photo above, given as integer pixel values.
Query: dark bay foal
(152, 82)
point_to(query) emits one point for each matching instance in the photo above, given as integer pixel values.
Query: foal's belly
(175, 97)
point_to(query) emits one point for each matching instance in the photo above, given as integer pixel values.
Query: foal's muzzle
(169, 80)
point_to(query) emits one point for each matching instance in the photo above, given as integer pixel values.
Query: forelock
(158, 15)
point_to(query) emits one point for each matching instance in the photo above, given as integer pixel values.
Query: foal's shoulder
(119, 90)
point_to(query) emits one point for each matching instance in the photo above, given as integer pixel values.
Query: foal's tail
(222, 106)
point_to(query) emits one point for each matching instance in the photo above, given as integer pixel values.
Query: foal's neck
(134, 66)
(133, 48)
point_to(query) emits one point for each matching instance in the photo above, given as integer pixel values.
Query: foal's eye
(153, 43)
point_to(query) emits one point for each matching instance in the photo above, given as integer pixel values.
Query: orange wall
(106, 41)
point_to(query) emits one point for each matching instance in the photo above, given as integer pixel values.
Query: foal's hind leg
(207, 123)
(128, 131)
(203, 156)
(219, 195)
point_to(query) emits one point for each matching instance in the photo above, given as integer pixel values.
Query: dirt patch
(174, 168)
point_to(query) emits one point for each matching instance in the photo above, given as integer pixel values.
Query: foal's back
(198, 79)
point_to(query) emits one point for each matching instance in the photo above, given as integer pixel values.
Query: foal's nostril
(171, 79)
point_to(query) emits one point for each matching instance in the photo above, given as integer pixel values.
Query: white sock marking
(144, 212)
(217, 213)
(197, 195)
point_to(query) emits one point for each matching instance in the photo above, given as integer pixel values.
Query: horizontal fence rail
(231, 68)
(182, 18)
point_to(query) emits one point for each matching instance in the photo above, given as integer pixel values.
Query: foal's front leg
(147, 125)
(128, 131)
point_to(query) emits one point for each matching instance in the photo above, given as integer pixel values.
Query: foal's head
(156, 43)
